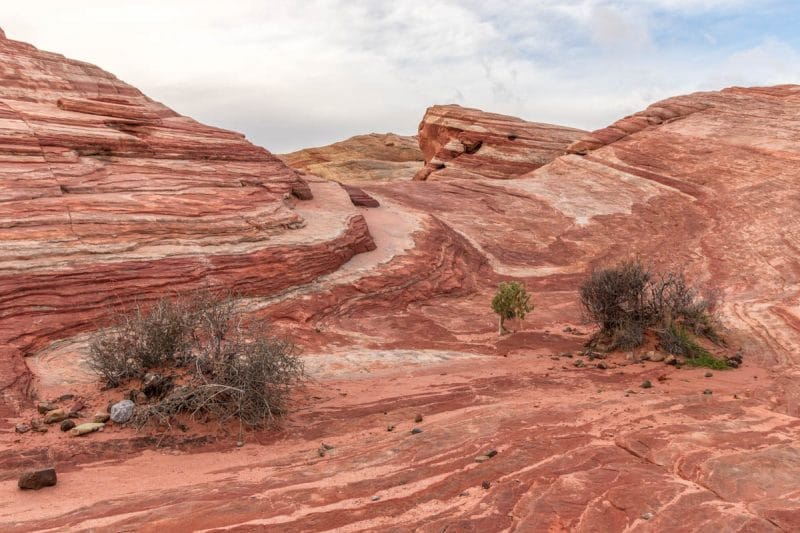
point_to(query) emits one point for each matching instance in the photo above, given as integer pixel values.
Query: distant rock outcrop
(469, 143)
(373, 157)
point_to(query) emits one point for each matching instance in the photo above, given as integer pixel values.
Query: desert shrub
(670, 296)
(627, 335)
(628, 299)
(254, 379)
(142, 339)
(615, 298)
(510, 301)
(227, 367)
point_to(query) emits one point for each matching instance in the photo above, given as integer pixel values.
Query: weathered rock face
(469, 144)
(373, 157)
(106, 196)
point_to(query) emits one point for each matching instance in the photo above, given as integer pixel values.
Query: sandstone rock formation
(108, 196)
(705, 183)
(373, 157)
(469, 143)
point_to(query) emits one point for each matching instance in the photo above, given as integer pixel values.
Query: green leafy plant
(511, 301)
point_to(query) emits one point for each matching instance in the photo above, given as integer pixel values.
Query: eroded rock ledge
(469, 143)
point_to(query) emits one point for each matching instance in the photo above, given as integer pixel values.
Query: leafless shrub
(626, 300)
(142, 339)
(615, 298)
(229, 367)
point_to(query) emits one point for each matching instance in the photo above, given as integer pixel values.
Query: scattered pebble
(578, 363)
(46, 407)
(491, 453)
(602, 365)
(101, 418)
(37, 479)
(56, 415)
(38, 426)
(376, 498)
(390, 428)
(418, 418)
(22, 428)
(486, 484)
(67, 424)
(647, 516)
(709, 374)
(708, 391)
(66, 397)
(121, 412)
(481, 458)
(646, 384)
(415, 431)
(84, 429)
(239, 443)
(76, 408)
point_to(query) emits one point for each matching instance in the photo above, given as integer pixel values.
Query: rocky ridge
(373, 157)
(469, 143)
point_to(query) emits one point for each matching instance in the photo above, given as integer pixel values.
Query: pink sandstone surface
(705, 182)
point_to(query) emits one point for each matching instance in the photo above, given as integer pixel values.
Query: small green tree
(511, 301)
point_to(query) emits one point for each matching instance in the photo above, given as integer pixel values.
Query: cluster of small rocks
(597, 358)
(735, 360)
(66, 409)
(121, 412)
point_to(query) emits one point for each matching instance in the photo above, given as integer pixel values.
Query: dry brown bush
(229, 367)
(626, 300)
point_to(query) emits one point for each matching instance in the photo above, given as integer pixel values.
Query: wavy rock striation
(107, 196)
(468, 143)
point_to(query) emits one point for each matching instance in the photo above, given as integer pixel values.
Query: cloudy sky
(292, 74)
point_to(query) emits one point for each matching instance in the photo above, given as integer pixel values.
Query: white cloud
(292, 74)
(611, 27)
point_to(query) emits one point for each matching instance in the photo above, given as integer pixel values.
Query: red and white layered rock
(469, 143)
(107, 196)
